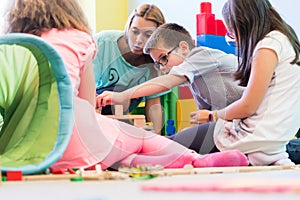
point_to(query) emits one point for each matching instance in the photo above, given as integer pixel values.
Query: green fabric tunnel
(36, 104)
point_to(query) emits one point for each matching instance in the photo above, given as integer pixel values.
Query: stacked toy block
(210, 31)
(184, 108)
(185, 104)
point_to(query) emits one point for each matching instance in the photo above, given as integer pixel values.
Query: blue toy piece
(293, 149)
(215, 42)
(170, 127)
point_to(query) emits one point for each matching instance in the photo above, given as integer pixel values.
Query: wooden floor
(273, 184)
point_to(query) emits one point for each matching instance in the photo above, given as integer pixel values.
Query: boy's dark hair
(169, 34)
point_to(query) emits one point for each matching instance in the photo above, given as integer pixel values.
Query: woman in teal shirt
(120, 62)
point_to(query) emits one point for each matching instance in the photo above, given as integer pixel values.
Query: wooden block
(133, 117)
(138, 120)
(92, 176)
(221, 170)
(118, 110)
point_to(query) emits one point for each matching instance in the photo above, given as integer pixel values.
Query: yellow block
(184, 108)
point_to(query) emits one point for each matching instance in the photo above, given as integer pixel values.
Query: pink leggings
(98, 139)
(135, 143)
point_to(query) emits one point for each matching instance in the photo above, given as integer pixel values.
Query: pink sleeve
(87, 54)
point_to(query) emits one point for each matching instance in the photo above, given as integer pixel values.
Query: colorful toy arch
(36, 107)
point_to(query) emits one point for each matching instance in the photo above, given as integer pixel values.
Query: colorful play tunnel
(36, 109)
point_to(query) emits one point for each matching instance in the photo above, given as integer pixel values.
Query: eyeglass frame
(158, 63)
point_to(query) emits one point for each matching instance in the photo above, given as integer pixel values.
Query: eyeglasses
(163, 61)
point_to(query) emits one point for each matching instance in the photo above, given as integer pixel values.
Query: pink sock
(222, 159)
(181, 161)
(167, 161)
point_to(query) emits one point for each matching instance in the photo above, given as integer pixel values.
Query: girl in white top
(266, 117)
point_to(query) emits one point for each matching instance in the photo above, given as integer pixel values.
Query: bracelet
(213, 116)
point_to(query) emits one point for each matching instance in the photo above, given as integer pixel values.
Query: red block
(205, 7)
(14, 175)
(205, 21)
(185, 93)
(58, 171)
(206, 24)
(221, 28)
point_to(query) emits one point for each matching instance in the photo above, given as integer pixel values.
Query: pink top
(89, 144)
(76, 48)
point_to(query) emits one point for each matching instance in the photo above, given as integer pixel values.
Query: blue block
(215, 42)
(170, 127)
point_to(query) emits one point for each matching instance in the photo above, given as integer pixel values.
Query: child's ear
(184, 46)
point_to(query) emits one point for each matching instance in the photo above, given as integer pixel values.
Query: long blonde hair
(36, 16)
(148, 12)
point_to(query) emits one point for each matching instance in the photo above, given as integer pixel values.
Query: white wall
(3, 7)
(289, 9)
(174, 12)
(89, 8)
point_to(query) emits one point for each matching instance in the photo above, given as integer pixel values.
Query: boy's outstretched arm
(153, 86)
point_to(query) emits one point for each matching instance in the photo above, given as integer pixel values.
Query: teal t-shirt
(111, 69)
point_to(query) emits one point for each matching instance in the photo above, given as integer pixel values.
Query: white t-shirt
(209, 73)
(277, 118)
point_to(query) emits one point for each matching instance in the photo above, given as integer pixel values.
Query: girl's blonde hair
(148, 12)
(37, 16)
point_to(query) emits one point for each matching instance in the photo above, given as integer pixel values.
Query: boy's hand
(200, 116)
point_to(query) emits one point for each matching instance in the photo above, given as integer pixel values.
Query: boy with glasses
(207, 71)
